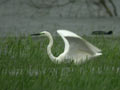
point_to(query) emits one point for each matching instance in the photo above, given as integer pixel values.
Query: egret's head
(43, 33)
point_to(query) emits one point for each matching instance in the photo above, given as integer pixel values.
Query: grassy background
(25, 65)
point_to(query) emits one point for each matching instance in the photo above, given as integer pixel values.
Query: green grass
(25, 65)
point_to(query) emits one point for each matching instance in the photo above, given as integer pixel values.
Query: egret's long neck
(53, 58)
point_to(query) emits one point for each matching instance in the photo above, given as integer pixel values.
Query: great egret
(76, 48)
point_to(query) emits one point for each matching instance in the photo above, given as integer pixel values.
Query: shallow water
(14, 26)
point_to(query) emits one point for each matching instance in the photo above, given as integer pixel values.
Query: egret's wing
(76, 47)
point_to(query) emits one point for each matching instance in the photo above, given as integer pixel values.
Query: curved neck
(53, 58)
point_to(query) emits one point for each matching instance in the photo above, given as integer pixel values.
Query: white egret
(76, 48)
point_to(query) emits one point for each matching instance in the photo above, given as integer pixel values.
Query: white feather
(77, 48)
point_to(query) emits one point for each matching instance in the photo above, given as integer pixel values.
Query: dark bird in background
(102, 33)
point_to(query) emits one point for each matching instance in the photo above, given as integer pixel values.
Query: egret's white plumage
(76, 48)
